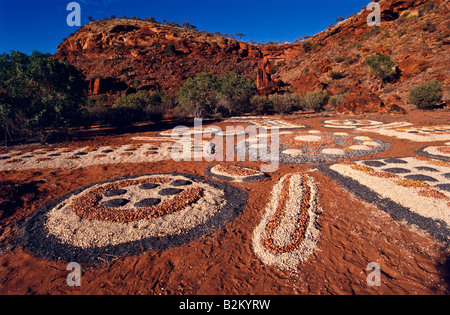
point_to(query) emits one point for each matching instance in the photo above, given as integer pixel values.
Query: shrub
(39, 95)
(285, 103)
(370, 32)
(338, 58)
(261, 105)
(154, 113)
(157, 99)
(429, 6)
(123, 116)
(336, 75)
(138, 100)
(336, 100)
(95, 109)
(315, 100)
(426, 95)
(306, 45)
(381, 65)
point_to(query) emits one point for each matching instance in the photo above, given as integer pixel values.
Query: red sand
(353, 234)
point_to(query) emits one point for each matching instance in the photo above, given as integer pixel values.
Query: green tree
(426, 95)
(198, 96)
(234, 93)
(39, 95)
(156, 98)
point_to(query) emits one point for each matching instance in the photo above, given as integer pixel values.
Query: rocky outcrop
(122, 55)
(144, 55)
(363, 101)
(305, 83)
(264, 82)
(99, 86)
(410, 66)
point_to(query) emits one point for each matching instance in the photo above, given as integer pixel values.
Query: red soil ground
(352, 234)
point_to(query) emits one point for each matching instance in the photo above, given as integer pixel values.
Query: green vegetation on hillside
(426, 95)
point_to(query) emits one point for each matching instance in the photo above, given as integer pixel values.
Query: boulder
(411, 66)
(307, 82)
(363, 101)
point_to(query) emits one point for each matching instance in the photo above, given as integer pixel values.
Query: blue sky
(27, 25)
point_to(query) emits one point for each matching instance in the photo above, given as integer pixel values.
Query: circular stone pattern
(92, 224)
(184, 131)
(309, 147)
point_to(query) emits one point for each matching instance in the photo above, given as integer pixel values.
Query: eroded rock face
(99, 86)
(411, 65)
(264, 82)
(150, 56)
(120, 56)
(305, 83)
